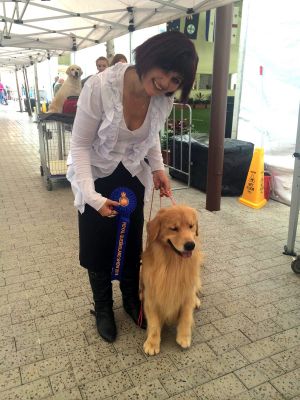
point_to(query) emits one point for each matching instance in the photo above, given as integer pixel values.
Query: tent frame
(37, 35)
(289, 249)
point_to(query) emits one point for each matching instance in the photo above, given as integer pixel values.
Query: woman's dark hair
(170, 51)
(117, 58)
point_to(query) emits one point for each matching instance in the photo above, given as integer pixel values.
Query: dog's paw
(151, 348)
(197, 302)
(184, 341)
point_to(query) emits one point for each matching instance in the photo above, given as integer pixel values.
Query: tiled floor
(246, 342)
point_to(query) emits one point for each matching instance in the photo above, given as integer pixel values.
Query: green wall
(205, 49)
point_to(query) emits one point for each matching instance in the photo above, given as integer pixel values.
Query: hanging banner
(210, 25)
(191, 26)
(64, 59)
(235, 24)
(173, 25)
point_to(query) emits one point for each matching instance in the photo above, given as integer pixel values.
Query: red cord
(172, 200)
(140, 319)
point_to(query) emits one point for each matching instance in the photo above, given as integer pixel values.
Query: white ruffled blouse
(100, 139)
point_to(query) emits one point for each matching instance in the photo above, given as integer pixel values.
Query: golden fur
(71, 87)
(169, 281)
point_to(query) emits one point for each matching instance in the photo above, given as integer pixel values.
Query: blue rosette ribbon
(127, 204)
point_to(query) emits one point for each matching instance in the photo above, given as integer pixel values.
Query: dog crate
(54, 145)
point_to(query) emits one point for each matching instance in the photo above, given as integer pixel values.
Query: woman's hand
(162, 182)
(107, 210)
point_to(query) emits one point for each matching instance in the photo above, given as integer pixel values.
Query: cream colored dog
(70, 87)
(170, 275)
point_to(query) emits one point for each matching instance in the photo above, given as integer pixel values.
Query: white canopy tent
(269, 87)
(267, 109)
(33, 30)
(30, 34)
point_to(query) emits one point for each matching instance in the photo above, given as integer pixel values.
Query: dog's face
(176, 228)
(74, 71)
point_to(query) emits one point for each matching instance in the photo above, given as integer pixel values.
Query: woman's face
(158, 82)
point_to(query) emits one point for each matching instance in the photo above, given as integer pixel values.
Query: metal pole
(240, 71)
(37, 93)
(29, 110)
(110, 50)
(218, 107)
(18, 90)
(295, 199)
(130, 47)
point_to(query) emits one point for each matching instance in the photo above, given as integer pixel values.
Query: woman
(115, 143)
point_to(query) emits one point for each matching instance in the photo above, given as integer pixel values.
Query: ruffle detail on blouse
(160, 108)
(113, 110)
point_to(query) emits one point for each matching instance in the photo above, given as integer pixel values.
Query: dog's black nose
(76, 73)
(189, 246)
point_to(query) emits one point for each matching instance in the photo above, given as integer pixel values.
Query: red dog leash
(151, 204)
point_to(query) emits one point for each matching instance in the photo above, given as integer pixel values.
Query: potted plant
(164, 142)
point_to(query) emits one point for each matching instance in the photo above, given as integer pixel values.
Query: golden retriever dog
(170, 275)
(70, 87)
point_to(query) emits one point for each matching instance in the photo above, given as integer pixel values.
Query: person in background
(23, 90)
(101, 64)
(58, 85)
(55, 82)
(3, 99)
(8, 92)
(115, 144)
(118, 58)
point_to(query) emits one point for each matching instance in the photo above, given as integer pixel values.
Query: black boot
(131, 302)
(134, 308)
(102, 293)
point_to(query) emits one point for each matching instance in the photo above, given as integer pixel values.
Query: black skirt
(97, 234)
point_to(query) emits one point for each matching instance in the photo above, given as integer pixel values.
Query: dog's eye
(174, 228)
(191, 226)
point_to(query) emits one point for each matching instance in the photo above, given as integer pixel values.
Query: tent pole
(18, 90)
(218, 107)
(242, 51)
(295, 199)
(37, 93)
(130, 47)
(29, 110)
(50, 79)
(110, 50)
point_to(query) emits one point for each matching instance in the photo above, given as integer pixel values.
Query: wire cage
(54, 142)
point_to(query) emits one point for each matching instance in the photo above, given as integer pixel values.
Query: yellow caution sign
(44, 107)
(253, 194)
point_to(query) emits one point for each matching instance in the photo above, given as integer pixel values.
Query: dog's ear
(153, 228)
(68, 71)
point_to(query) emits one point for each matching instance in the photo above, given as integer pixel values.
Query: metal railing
(176, 142)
